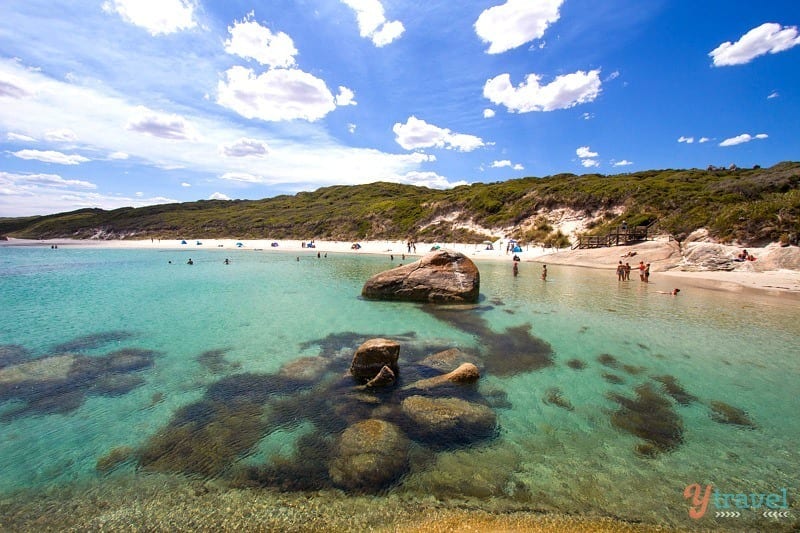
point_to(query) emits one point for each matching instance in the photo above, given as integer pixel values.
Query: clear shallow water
(180, 331)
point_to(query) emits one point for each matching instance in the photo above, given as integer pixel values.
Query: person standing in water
(544, 272)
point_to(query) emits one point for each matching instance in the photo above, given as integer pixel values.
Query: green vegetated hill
(746, 205)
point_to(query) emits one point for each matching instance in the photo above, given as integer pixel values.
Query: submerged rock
(306, 369)
(449, 360)
(385, 378)
(369, 455)
(443, 276)
(443, 422)
(55, 368)
(466, 373)
(372, 356)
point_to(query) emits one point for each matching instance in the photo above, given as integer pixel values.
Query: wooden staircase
(621, 236)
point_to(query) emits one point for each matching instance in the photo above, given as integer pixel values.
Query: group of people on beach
(624, 271)
(624, 274)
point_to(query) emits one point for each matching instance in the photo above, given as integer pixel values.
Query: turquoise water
(179, 334)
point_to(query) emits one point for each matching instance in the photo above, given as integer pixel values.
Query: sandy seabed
(167, 503)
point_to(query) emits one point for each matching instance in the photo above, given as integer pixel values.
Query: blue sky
(111, 103)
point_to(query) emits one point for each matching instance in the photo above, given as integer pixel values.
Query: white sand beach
(699, 264)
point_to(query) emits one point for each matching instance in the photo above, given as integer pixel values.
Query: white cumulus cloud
(279, 94)
(687, 140)
(159, 17)
(488, 113)
(507, 163)
(515, 23)
(219, 196)
(743, 138)
(162, 125)
(416, 133)
(251, 40)
(18, 137)
(345, 97)
(769, 38)
(432, 180)
(587, 157)
(372, 22)
(61, 135)
(51, 156)
(623, 163)
(244, 147)
(563, 92)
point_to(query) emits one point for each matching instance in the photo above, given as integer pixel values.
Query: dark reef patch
(576, 364)
(204, 438)
(249, 387)
(727, 414)
(92, 341)
(214, 361)
(12, 354)
(59, 384)
(554, 396)
(606, 359)
(633, 370)
(305, 470)
(650, 417)
(504, 354)
(613, 378)
(675, 389)
(113, 459)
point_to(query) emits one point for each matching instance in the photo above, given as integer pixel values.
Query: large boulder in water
(372, 356)
(369, 455)
(443, 276)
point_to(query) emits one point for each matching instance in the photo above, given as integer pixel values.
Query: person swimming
(673, 292)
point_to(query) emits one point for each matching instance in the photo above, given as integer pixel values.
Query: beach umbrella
(183, 242)
(239, 244)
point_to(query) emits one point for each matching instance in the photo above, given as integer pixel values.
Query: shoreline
(696, 264)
